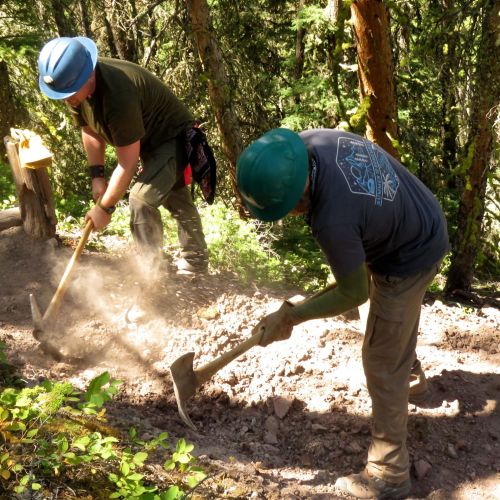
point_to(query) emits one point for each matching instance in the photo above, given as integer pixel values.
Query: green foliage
(53, 431)
(7, 187)
(239, 246)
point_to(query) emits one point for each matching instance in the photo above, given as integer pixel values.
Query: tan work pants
(388, 355)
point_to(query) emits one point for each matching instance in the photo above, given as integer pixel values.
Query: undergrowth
(56, 438)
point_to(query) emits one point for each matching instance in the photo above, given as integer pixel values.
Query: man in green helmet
(119, 103)
(384, 236)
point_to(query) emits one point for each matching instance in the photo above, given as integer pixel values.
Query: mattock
(42, 325)
(186, 379)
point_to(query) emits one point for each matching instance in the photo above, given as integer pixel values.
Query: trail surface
(280, 422)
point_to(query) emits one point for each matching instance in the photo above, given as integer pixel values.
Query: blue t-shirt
(367, 207)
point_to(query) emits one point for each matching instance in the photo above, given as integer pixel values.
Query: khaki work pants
(161, 184)
(388, 355)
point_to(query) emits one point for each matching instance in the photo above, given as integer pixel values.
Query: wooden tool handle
(206, 372)
(63, 284)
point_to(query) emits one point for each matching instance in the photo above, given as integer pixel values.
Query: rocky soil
(281, 422)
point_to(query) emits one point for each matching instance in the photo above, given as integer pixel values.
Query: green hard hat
(271, 174)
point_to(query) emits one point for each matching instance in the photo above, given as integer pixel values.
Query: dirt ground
(281, 422)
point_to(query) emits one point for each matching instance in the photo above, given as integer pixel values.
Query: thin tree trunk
(477, 155)
(337, 13)
(375, 70)
(7, 108)
(123, 42)
(449, 132)
(84, 12)
(219, 88)
(299, 51)
(64, 26)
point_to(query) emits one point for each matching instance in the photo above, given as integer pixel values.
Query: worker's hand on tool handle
(99, 185)
(99, 217)
(278, 325)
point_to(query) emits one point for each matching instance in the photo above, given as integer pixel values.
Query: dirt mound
(279, 422)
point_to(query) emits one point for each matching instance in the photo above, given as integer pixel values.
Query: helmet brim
(277, 211)
(78, 84)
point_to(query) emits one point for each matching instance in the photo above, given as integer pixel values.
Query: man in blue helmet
(119, 103)
(384, 236)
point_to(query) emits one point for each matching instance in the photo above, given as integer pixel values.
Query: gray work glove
(278, 325)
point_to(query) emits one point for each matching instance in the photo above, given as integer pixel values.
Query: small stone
(451, 451)
(422, 468)
(270, 438)
(281, 406)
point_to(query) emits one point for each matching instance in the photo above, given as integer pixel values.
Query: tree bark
(375, 70)
(84, 13)
(124, 43)
(64, 26)
(219, 88)
(35, 196)
(449, 131)
(7, 108)
(478, 152)
(299, 51)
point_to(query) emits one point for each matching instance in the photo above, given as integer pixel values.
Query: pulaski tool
(42, 325)
(186, 379)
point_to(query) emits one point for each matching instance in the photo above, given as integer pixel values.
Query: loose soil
(281, 422)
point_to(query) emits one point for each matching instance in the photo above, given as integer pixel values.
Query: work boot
(363, 485)
(184, 267)
(419, 388)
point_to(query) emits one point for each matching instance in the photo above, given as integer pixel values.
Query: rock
(451, 451)
(422, 468)
(318, 428)
(270, 437)
(281, 406)
(272, 424)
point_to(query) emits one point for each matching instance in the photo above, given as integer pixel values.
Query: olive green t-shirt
(131, 104)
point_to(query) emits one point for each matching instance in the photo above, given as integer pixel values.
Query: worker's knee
(141, 211)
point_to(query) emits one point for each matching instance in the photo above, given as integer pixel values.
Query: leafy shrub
(52, 431)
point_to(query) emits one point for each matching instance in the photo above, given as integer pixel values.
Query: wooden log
(10, 218)
(35, 195)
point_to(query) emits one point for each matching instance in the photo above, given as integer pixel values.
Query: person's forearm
(350, 291)
(128, 158)
(94, 147)
(118, 185)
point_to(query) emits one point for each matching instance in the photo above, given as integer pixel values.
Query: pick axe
(186, 379)
(42, 325)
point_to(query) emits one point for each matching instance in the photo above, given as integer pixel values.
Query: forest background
(421, 79)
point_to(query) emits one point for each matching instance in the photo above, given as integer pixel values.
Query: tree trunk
(337, 13)
(123, 41)
(219, 88)
(7, 108)
(375, 70)
(84, 12)
(477, 157)
(299, 51)
(449, 131)
(35, 196)
(64, 26)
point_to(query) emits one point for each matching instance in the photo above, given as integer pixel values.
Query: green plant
(54, 431)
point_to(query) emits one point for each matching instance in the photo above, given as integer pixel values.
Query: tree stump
(34, 193)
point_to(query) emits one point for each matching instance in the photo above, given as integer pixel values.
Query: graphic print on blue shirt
(366, 169)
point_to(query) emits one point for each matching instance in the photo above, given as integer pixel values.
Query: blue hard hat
(65, 64)
(271, 174)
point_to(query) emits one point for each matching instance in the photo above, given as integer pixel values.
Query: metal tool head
(185, 384)
(39, 330)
